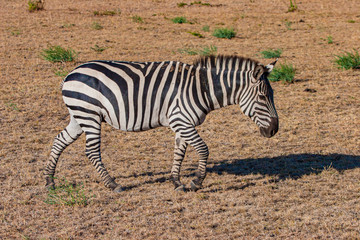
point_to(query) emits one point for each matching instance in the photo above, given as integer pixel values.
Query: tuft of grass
(181, 4)
(351, 21)
(15, 32)
(58, 54)
(206, 28)
(285, 72)
(179, 20)
(96, 26)
(200, 3)
(188, 51)
(67, 25)
(205, 51)
(292, 7)
(107, 13)
(67, 194)
(98, 49)
(208, 50)
(348, 60)
(61, 73)
(288, 24)
(13, 106)
(36, 5)
(329, 40)
(137, 19)
(196, 34)
(271, 53)
(224, 33)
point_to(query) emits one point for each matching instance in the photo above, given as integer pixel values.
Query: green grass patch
(98, 49)
(189, 51)
(181, 4)
(196, 34)
(68, 194)
(34, 6)
(96, 26)
(351, 21)
(284, 72)
(58, 54)
(137, 19)
(15, 32)
(208, 50)
(68, 25)
(348, 60)
(179, 20)
(205, 51)
(292, 6)
(329, 40)
(288, 24)
(224, 33)
(12, 106)
(271, 53)
(107, 13)
(200, 3)
(61, 73)
(206, 28)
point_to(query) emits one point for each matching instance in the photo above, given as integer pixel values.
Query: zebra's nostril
(272, 132)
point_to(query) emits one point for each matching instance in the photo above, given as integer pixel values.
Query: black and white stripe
(134, 96)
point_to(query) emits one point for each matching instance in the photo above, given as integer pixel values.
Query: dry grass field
(304, 183)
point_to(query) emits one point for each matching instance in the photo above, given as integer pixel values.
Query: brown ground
(302, 184)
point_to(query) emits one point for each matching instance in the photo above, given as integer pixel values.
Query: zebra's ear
(270, 66)
(258, 71)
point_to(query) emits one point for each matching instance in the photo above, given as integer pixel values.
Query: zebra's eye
(262, 98)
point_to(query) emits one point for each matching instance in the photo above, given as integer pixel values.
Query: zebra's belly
(133, 127)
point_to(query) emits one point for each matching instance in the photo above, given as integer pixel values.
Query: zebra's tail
(62, 83)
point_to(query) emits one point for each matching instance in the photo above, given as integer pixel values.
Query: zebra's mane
(224, 60)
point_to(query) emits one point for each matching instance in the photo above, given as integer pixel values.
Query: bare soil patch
(302, 184)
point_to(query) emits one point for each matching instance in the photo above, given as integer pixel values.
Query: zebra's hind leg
(179, 153)
(93, 140)
(61, 141)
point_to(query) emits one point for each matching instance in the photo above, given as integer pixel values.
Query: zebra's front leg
(179, 154)
(192, 137)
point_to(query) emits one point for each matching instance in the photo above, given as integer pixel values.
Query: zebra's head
(258, 101)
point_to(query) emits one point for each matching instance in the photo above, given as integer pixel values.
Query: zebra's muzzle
(272, 129)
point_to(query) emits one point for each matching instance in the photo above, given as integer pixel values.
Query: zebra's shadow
(291, 166)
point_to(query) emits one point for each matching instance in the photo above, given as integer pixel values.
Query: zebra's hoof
(180, 188)
(50, 186)
(118, 189)
(194, 186)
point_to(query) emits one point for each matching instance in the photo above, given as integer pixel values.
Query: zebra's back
(130, 96)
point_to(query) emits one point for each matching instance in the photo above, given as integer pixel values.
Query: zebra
(138, 96)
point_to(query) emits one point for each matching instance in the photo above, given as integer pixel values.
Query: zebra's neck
(222, 87)
(224, 79)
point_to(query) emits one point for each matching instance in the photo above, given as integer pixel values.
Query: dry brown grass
(301, 184)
